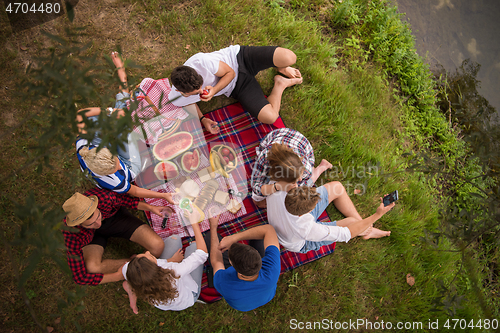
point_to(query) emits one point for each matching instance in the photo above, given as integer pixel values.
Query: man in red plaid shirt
(95, 216)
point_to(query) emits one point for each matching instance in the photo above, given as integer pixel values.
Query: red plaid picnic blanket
(240, 128)
(245, 132)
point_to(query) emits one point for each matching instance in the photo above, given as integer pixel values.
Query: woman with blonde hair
(115, 173)
(285, 159)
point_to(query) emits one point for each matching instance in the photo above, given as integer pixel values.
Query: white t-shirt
(293, 230)
(185, 283)
(207, 64)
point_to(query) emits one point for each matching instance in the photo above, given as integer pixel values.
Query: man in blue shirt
(251, 280)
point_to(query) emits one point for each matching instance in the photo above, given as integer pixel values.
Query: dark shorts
(251, 60)
(123, 224)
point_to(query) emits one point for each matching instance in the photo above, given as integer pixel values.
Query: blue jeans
(316, 212)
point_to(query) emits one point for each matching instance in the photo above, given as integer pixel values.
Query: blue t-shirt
(248, 295)
(117, 182)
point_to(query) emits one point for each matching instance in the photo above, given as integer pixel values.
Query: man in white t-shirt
(231, 71)
(294, 216)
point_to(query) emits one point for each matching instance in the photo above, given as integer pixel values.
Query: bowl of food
(223, 159)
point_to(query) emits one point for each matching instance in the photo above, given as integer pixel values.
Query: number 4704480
(25, 8)
(463, 324)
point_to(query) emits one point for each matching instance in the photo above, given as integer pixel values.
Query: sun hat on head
(79, 208)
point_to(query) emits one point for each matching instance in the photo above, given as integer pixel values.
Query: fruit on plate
(223, 159)
(166, 170)
(172, 146)
(190, 161)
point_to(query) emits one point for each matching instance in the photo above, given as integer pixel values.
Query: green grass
(347, 111)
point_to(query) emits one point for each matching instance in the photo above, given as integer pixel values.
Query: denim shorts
(316, 212)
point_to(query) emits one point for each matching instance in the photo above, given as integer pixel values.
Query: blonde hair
(284, 164)
(101, 163)
(301, 200)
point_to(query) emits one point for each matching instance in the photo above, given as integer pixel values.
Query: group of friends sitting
(282, 181)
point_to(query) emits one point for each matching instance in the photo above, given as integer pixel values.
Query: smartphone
(390, 198)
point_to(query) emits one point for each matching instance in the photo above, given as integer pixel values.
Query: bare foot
(285, 83)
(324, 165)
(131, 296)
(377, 233)
(117, 60)
(366, 232)
(290, 72)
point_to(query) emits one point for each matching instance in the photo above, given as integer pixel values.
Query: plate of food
(223, 159)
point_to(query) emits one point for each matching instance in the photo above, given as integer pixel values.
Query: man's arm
(215, 254)
(74, 242)
(265, 232)
(210, 125)
(153, 209)
(113, 277)
(226, 74)
(140, 192)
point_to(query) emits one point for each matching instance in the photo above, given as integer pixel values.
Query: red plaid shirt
(109, 203)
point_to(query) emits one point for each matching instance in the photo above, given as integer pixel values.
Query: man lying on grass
(252, 279)
(95, 216)
(294, 215)
(231, 71)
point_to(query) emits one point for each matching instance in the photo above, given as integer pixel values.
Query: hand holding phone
(390, 198)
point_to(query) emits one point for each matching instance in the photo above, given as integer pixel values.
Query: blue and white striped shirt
(118, 182)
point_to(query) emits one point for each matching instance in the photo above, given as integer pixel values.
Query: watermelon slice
(166, 170)
(172, 146)
(190, 161)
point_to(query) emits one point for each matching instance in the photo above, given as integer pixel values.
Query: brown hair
(151, 282)
(301, 200)
(245, 259)
(284, 164)
(186, 79)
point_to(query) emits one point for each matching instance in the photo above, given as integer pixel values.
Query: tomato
(204, 93)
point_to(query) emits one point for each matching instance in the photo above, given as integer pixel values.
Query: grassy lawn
(346, 110)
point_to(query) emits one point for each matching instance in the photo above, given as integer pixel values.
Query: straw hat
(79, 208)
